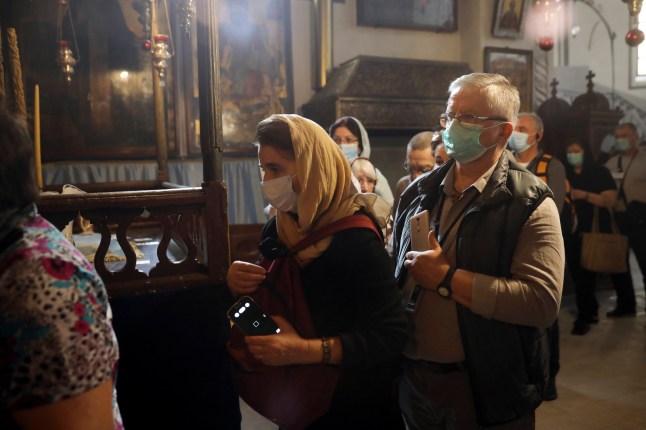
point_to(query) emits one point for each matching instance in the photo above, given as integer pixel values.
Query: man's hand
(428, 267)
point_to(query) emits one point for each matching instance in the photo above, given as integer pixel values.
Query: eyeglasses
(467, 120)
(344, 140)
(412, 169)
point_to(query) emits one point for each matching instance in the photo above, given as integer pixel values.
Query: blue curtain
(240, 175)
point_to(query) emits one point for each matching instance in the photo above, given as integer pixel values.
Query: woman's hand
(281, 349)
(244, 278)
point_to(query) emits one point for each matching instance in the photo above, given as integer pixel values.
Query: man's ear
(505, 131)
(539, 136)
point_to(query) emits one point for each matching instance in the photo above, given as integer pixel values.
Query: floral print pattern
(56, 338)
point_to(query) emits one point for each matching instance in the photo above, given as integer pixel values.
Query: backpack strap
(352, 221)
(542, 166)
(541, 171)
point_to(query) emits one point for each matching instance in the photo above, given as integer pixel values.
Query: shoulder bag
(292, 396)
(604, 252)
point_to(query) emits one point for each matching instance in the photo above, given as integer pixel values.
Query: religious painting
(509, 18)
(516, 65)
(255, 67)
(432, 15)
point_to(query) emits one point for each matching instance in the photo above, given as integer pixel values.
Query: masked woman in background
(352, 138)
(346, 278)
(592, 186)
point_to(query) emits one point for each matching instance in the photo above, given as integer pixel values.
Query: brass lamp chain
(170, 30)
(63, 10)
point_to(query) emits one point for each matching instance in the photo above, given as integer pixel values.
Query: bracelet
(327, 351)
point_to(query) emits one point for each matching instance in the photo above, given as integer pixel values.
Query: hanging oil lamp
(66, 60)
(161, 54)
(635, 36)
(65, 56)
(186, 9)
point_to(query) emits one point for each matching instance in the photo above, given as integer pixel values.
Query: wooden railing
(196, 218)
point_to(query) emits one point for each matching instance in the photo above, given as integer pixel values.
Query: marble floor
(602, 382)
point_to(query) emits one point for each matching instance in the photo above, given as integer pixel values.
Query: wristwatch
(444, 289)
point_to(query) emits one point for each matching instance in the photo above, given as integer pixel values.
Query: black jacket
(507, 363)
(352, 293)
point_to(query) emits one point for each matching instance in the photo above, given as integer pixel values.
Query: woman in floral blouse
(58, 352)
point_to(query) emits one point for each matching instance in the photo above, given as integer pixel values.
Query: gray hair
(538, 122)
(420, 141)
(502, 97)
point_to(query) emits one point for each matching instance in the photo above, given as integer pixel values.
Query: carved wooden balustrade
(195, 218)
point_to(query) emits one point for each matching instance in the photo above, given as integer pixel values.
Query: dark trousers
(637, 242)
(444, 401)
(555, 350)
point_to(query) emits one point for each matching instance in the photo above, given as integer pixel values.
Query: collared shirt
(533, 291)
(632, 171)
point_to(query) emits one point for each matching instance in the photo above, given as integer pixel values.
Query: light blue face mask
(350, 150)
(622, 145)
(518, 141)
(575, 159)
(462, 143)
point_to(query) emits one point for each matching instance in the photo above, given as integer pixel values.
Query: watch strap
(444, 288)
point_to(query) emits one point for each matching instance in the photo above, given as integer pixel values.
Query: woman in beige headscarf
(347, 279)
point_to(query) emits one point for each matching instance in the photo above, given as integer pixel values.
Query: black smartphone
(250, 319)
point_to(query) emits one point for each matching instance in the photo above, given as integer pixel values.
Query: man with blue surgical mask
(481, 296)
(628, 168)
(525, 144)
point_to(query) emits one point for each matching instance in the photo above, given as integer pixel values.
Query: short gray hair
(538, 122)
(420, 141)
(502, 97)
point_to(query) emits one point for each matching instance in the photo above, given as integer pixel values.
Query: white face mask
(280, 194)
(350, 150)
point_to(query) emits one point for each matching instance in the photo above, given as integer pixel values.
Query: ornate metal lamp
(634, 36)
(161, 55)
(65, 57)
(186, 9)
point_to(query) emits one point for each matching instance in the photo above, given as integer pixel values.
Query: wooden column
(209, 83)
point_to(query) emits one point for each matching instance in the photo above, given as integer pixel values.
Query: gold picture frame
(441, 16)
(509, 18)
(255, 68)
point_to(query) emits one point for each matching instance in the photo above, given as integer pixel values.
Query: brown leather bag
(604, 252)
(292, 396)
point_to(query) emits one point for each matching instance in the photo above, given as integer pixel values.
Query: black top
(594, 179)
(352, 293)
